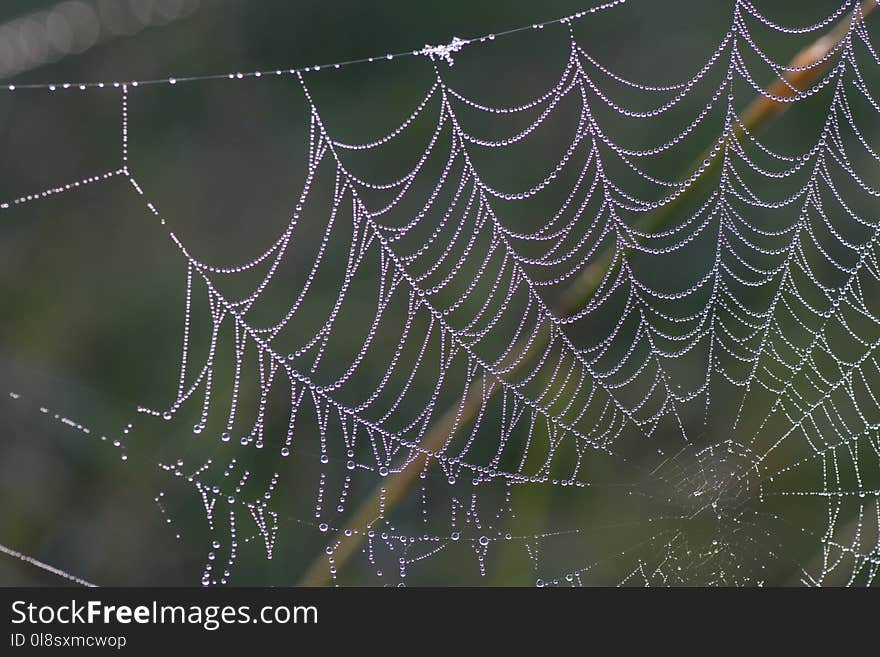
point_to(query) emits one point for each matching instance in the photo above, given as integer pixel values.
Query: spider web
(690, 361)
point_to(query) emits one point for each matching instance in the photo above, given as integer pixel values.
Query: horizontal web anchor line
(442, 51)
(60, 189)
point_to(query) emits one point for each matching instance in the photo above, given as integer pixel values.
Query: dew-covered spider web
(623, 331)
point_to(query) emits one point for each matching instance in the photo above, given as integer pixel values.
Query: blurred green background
(92, 289)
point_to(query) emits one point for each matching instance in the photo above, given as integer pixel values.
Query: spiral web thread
(782, 318)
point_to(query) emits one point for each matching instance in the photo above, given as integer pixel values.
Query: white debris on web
(444, 51)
